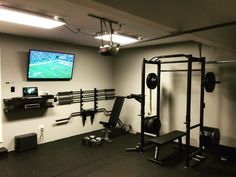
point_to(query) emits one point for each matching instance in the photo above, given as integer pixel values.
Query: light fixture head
(27, 18)
(109, 50)
(118, 38)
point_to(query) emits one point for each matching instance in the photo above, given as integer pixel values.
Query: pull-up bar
(188, 57)
(197, 60)
(168, 56)
(178, 70)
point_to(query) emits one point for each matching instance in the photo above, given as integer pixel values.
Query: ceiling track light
(118, 38)
(112, 36)
(23, 17)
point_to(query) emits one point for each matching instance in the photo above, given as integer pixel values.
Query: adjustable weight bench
(114, 117)
(164, 139)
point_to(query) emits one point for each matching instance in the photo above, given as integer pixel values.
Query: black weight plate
(210, 136)
(156, 125)
(210, 82)
(151, 81)
(150, 125)
(145, 126)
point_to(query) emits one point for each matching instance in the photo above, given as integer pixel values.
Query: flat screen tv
(47, 65)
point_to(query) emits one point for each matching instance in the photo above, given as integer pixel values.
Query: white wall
(220, 105)
(90, 71)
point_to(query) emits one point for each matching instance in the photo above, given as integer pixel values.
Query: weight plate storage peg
(210, 82)
(151, 81)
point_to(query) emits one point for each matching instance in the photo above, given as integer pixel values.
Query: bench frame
(169, 137)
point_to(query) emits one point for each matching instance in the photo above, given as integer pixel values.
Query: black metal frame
(141, 98)
(158, 63)
(190, 59)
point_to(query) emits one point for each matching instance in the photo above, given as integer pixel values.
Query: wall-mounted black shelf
(23, 103)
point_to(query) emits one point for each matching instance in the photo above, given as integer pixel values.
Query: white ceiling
(146, 18)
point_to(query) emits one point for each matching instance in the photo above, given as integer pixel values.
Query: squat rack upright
(158, 60)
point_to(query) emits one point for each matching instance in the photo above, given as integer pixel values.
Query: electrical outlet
(41, 127)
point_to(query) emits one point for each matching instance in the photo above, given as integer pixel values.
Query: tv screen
(46, 65)
(30, 91)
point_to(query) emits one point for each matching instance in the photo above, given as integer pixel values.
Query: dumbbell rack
(83, 96)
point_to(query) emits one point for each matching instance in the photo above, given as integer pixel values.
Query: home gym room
(78, 101)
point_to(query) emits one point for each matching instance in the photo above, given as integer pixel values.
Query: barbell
(209, 81)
